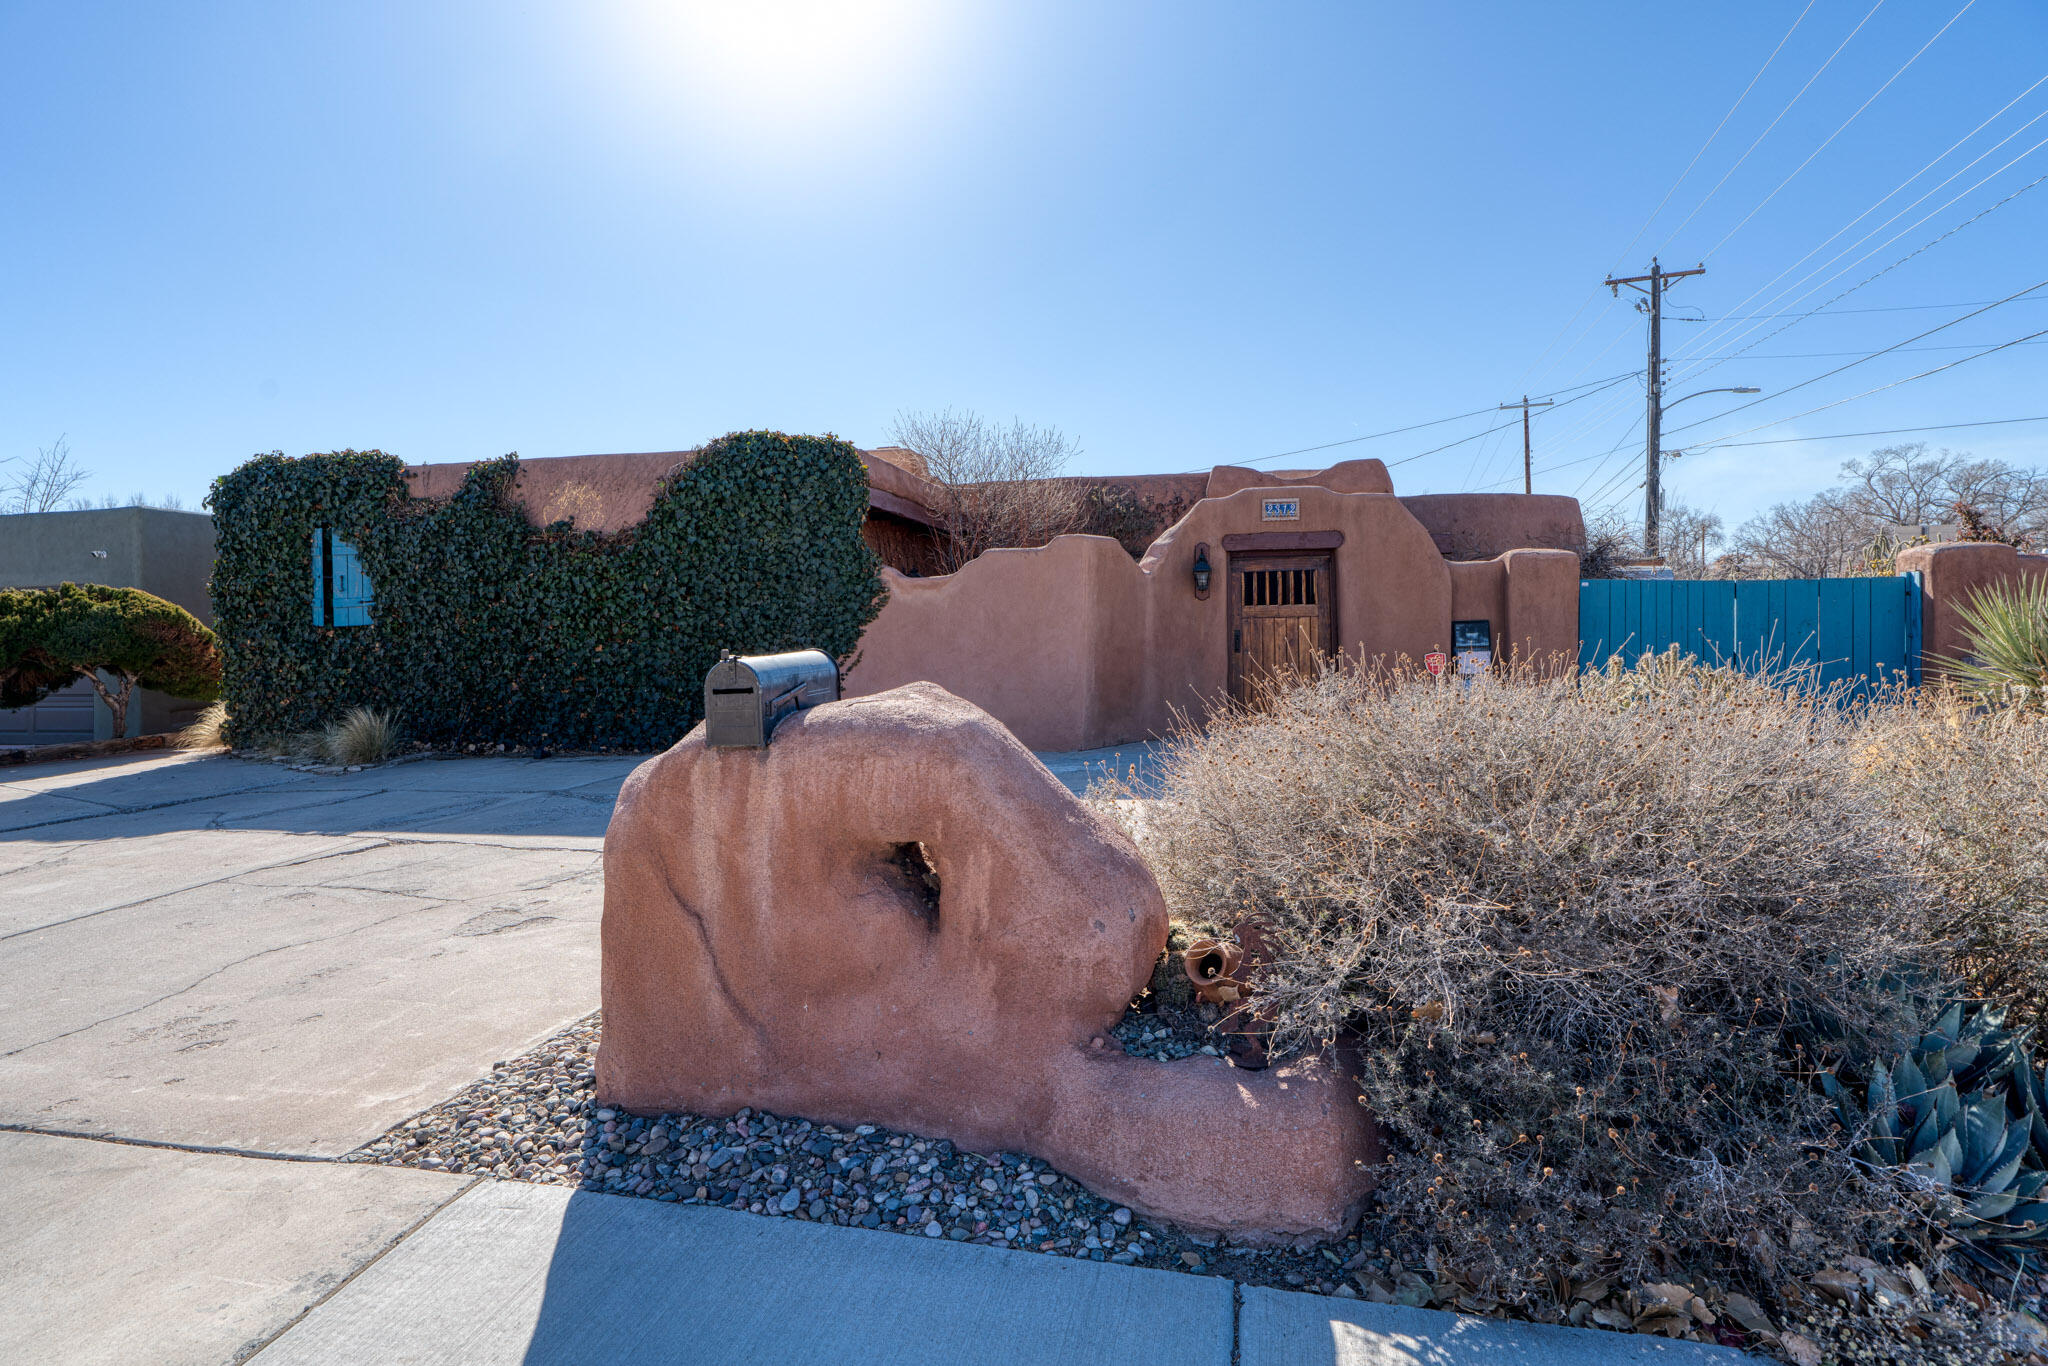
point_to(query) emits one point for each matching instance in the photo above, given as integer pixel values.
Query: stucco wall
(1949, 576)
(1542, 609)
(1073, 646)
(158, 550)
(1478, 526)
(1023, 634)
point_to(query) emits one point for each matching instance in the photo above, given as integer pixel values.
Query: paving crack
(202, 980)
(251, 1349)
(193, 887)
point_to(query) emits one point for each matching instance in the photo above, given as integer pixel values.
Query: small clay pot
(1211, 964)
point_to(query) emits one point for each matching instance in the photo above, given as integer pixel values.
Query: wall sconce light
(1202, 570)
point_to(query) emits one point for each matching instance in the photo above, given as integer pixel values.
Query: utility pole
(1525, 405)
(1653, 304)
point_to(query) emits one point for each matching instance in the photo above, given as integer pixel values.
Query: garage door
(63, 717)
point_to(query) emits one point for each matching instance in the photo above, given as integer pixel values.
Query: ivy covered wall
(486, 629)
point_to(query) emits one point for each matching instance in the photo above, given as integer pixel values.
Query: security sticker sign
(1434, 661)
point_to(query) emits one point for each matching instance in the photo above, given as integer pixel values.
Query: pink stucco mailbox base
(764, 946)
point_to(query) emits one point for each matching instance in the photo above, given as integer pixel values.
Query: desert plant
(209, 731)
(362, 735)
(1570, 941)
(1965, 790)
(2006, 626)
(1958, 1119)
(49, 636)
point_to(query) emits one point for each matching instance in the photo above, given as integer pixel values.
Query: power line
(1936, 161)
(1965, 360)
(1895, 308)
(1622, 255)
(1923, 247)
(1824, 355)
(1838, 132)
(1607, 384)
(1768, 127)
(1886, 431)
(1438, 422)
(1768, 398)
(1372, 436)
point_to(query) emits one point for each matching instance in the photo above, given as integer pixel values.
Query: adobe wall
(1478, 526)
(1072, 646)
(1950, 575)
(1030, 636)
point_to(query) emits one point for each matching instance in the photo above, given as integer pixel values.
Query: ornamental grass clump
(362, 735)
(1570, 931)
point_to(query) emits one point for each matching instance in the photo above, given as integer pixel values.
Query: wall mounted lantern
(1202, 571)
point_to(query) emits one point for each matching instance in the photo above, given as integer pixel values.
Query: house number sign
(1282, 510)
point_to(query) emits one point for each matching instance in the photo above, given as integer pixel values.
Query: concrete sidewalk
(543, 1276)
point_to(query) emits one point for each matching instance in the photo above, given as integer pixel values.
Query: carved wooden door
(1282, 620)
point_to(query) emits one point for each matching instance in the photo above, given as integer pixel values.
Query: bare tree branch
(998, 486)
(47, 482)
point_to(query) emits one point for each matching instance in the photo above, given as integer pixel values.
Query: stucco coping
(513, 1273)
(114, 1252)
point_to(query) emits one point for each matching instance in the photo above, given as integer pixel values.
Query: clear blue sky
(1186, 233)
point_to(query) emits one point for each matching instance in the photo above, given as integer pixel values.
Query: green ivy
(488, 630)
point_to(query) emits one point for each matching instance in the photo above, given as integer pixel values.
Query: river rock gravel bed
(535, 1118)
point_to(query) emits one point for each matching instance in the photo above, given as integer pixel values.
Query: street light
(1653, 484)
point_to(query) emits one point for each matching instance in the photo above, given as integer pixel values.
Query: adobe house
(1074, 646)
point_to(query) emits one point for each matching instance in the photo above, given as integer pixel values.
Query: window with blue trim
(341, 590)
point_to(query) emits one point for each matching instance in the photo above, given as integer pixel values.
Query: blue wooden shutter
(352, 595)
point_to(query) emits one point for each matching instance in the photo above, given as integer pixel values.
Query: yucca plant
(2007, 629)
(1960, 1116)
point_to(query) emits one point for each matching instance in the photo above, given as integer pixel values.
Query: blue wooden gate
(1853, 630)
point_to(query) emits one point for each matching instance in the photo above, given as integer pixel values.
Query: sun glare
(782, 66)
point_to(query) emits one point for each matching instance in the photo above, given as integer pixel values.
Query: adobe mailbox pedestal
(771, 940)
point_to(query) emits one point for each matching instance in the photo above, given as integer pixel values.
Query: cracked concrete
(223, 954)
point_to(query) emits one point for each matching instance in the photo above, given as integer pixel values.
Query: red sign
(1434, 661)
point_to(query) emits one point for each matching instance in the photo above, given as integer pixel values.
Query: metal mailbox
(745, 695)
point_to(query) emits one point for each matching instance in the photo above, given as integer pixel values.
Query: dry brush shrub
(1568, 928)
(1970, 791)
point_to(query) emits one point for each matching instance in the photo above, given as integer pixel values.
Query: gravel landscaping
(535, 1119)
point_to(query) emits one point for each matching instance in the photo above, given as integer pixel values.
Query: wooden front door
(1282, 619)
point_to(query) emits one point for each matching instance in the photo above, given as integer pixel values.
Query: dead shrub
(1970, 789)
(1569, 926)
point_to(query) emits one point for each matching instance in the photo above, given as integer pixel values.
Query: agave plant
(1960, 1115)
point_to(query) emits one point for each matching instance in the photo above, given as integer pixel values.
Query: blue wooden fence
(1852, 629)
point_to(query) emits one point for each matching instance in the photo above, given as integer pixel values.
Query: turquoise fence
(1852, 630)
